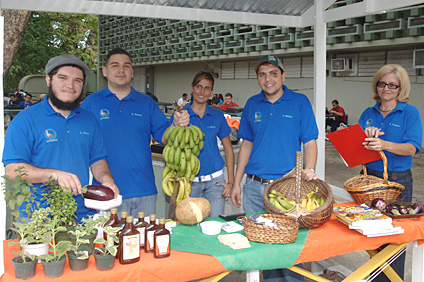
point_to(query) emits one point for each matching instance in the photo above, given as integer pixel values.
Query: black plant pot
(24, 270)
(78, 264)
(103, 263)
(54, 269)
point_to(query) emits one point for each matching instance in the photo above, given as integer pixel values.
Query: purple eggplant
(416, 208)
(98, 192)
(403, 210)
(393, 208)
(379, 204)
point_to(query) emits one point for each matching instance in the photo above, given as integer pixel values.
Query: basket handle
(298, 175)
(385, 174)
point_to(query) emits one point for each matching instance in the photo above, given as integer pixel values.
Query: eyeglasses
(200, 88)
(382, 84)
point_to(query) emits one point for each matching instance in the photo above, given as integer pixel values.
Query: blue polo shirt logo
(369, 122)
(104, 114)
(258, 116)
(50, 135)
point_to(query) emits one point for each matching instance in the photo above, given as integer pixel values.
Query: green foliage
(51, 34)
(110, 247)
(61, 201)
(32, 232)
(20, 192)
(81, 254)
(57, 249)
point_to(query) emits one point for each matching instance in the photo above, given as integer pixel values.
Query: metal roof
(290, 13)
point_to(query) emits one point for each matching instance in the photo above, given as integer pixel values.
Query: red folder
(348, 142)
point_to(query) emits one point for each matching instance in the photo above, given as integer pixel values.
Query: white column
(417, 262)
(2, 202)
(320, 41)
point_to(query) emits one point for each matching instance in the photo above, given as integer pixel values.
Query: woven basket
(293, 187)
(284, 233)
(366, 187)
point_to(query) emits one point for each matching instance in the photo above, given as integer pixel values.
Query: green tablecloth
(259, 257)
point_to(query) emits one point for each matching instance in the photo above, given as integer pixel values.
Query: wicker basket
(366, 187)
(284, 233)
(293, 187)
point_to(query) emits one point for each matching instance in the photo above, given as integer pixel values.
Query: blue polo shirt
(213, 124)
(277, 131)
(402, 125)
(44, 138)
(127, 126)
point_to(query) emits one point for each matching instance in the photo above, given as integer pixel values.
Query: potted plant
(24, 264)
(87, 230)
(105, 257)
(62, 204)
(54, 262)
(78, 252)
(20, 196)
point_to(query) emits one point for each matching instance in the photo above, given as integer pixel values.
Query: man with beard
(56, 138)
(273, 126)
(129, 119)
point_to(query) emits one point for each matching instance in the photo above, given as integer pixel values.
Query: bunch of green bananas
(280, 201)
(312, 201)
(180, 155)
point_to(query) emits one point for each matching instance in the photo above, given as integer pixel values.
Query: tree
(52, 34)
(15, 24)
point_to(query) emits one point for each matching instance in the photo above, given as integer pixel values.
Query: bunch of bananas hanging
(180, 155)
(279, 201)
(312, 201)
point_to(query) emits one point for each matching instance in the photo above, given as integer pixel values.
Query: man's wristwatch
(313, 170)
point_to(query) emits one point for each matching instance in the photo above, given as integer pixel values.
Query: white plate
(103, 205)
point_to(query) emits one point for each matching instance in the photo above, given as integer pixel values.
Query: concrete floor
(336, 174)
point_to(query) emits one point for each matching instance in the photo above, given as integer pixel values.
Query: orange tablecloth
(331, 239)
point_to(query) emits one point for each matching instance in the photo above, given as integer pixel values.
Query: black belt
(261, 180)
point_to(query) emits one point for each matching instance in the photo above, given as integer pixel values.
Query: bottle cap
(141, 214)
(161, 221)
(152, 217)
(124, 214)
(114, 211)
(130, 219)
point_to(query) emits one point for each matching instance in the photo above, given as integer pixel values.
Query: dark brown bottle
(121, 224)
(162, 241)
(113, 221)
(141, 227)
(149, 239)
(129, 243)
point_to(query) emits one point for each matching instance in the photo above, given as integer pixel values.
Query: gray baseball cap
(65, 60)
(270, 59)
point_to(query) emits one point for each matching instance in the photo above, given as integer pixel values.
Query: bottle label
(141, 230)
(131, 247)
(162, 242)
(150, 237)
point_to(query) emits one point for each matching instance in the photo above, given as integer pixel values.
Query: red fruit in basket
(379, 204)
(98, 192)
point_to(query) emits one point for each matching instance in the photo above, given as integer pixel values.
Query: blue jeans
(253, 202)
(135, 205)
(211, 192)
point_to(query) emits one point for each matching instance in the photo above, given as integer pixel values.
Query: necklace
(385, 111)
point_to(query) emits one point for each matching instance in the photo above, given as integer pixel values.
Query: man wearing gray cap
(56, 138)
(273, 126)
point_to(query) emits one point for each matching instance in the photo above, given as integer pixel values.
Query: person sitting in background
(340, 116)
(27, 101)
(153, 96)
(183, 99)
(215, 103)
(228, 101)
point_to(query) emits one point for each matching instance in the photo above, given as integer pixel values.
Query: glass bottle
(141, 227)
(129, 243)
(121, 224)
(113, 221)
(149, 234)
(162, 242)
